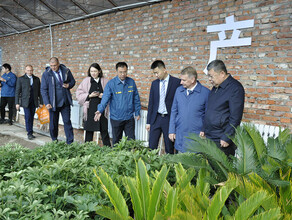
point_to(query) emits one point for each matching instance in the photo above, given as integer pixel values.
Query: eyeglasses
(210, 76)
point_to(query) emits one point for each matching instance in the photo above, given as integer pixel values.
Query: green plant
(145, 201)
(183, 200)
(57, 179)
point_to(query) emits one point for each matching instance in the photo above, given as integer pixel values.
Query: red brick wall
(175, 32)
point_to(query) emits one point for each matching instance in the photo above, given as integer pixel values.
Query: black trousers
(10, 101)
(160, 125)
(128, 126)
(103, 131)
(230, 150)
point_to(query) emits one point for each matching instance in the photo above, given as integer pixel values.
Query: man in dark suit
(28, 93)
(57, 81)
(225, 107)
(159, 107)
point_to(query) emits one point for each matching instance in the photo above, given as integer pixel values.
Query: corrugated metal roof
(18, 16)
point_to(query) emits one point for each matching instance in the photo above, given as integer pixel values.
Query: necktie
(190, 91)
(162, 107)
(59, 78)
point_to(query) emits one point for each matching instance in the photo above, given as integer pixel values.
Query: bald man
(57, 81)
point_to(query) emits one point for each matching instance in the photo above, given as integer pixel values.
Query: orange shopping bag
(43, 115)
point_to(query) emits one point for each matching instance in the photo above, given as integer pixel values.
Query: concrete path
(19, 131)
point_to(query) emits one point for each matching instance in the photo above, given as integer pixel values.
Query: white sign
(234, 41)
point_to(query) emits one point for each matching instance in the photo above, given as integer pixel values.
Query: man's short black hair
(217, 66)
(121, 64)
(157, 63)
(7, 66)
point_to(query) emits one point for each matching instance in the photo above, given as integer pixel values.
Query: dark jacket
(48, 86)
(22, 91)
(224, 111)
(153, 103)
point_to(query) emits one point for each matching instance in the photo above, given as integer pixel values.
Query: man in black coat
(225, 107)
(28, 94)
(159, 107)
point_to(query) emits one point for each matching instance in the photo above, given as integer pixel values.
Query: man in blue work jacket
(8, 83)
(225, 107)
(124, 100)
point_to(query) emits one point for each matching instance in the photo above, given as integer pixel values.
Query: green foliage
(184, 200)
(113, 193)
(147, 200)
(58, 181)
(260, 167)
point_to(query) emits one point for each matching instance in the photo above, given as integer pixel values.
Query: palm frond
(245, 162)
(109, 213)
(192, 202)
(249, 206)
(272, 214)
(196, 161)
(285, 136)
(220, 198)
(171, 202)
(246, 188)
(143, 186)
(181, 215)
(113, 193)
(209, 148)
(257, 140)
(183, 176)
(157, 192)
(202, 185)
(131, 185)
(275, 149)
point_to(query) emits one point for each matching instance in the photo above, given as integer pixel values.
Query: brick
(280, 108)
(269, 118)
(174, 31)
(285, 120)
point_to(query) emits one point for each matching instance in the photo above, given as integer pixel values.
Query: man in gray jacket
(28, 95)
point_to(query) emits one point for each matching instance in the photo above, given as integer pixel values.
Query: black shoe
(10, 122)
(2, 121)
(30, 137)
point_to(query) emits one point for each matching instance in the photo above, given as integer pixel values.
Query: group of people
(176, 108)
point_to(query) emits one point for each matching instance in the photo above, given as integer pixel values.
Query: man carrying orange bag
(28, 93)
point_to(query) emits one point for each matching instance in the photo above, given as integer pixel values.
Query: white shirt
(191, 89)
(56, 74)
(166, 85)
(96, 80)
(31, 79)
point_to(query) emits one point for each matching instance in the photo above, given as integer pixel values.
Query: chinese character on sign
(234, 41)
